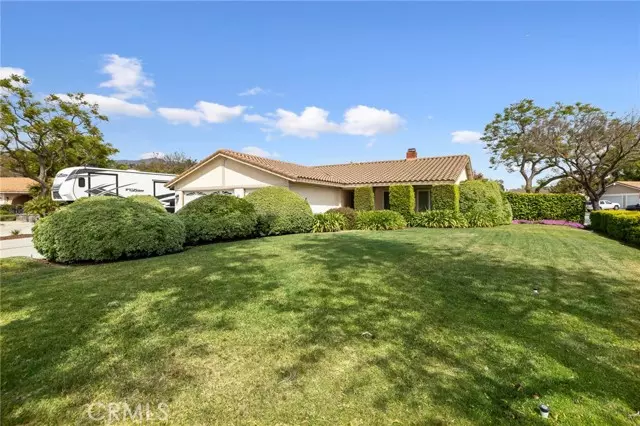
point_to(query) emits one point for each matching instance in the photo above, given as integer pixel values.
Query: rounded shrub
(218, 217)
(107, 228)
(380, 220)
(328, 222)
(149, 200)
(349, 216)
(280, 211)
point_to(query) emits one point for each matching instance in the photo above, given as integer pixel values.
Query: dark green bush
(107, 228)
(482, 204)
(620, 224)
(569, 207)
(7, 217)
(41, 205)
(349, 216)
(328, 222)
(280, 211)
(445, 197)
(378, 220)
(5, 209)
(363, 199)
(438, 219)
(402, 199)
(217, 217)
(150, 200)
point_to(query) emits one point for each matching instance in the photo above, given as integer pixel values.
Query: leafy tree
(589, 145)
(630, 172)
(173, 163)
(38, 138)
(565, 185)
(511, 143)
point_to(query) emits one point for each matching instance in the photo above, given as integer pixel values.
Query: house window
(424, 201)
(386, 200)
(81, 182)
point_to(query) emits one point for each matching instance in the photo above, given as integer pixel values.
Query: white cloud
(367, 121)
(127, 77)
(309, 124)
(254, 91)
(361, 120)
(150, 155)
(203, 111)
(6, 72)
(254, 150)
(113, 106)
(466, 136)
(255, 118)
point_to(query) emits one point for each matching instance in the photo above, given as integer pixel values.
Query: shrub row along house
(324, 187)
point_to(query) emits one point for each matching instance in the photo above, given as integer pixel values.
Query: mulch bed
(15, 237)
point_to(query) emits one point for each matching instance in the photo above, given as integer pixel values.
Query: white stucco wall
(224, 174)
(320, 198)
(463, 176)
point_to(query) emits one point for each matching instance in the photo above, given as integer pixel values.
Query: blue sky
(332, 82)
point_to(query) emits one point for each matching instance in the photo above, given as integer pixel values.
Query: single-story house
(324, 187)
(624, 193)
(15, 190)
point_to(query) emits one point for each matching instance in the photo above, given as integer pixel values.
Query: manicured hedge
(438, 219)
(280, 211)
(7, 217)
(107, 228)
(483, 205)
(402, 199)
(349, 216)
(328, 222)
(621, 225)
(569, 207)
(445, 197)
(218, 217)
(149, 200)
(378, 220)
(363, 199)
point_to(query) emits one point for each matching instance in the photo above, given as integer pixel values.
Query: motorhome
(73, 183)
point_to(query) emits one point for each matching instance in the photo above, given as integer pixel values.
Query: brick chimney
(412, 154)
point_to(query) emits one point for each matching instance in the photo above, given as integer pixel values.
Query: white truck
(73, 183)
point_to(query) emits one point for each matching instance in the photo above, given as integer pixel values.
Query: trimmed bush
(328, 222)
(280, 211)
(5, 209)
(402, 199)
(363, 199)
(349, 216)
(438, 219)
(445, 197)
(7, 217)
(569, 207)
(217, 217)
(483, 205)
(150, 200)
(380, 220)
(41, 205)
(620, 224)
(107, 228)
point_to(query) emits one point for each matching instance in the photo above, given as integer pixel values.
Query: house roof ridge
(392, 161)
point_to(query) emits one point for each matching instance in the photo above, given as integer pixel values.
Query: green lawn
(270, 331)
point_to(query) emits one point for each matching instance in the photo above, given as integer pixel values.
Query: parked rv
(73, 183)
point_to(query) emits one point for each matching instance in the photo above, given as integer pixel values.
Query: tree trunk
(42, 180)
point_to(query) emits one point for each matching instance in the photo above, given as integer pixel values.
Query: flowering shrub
(549, 222)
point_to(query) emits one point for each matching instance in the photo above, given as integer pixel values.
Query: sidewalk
(19, 247)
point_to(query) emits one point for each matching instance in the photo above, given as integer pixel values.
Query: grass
(270, 331)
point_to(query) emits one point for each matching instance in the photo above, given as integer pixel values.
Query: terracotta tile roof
(631, 183)
(16, 185)
(428, 169)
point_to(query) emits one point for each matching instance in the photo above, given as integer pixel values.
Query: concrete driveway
(18, 247)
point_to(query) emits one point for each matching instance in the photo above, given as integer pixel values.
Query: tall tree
(566, 185)
(40, 137)
(630, 172)
(590, 146)
(509, 140)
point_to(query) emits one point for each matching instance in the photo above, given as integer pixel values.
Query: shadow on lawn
(445, 308)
